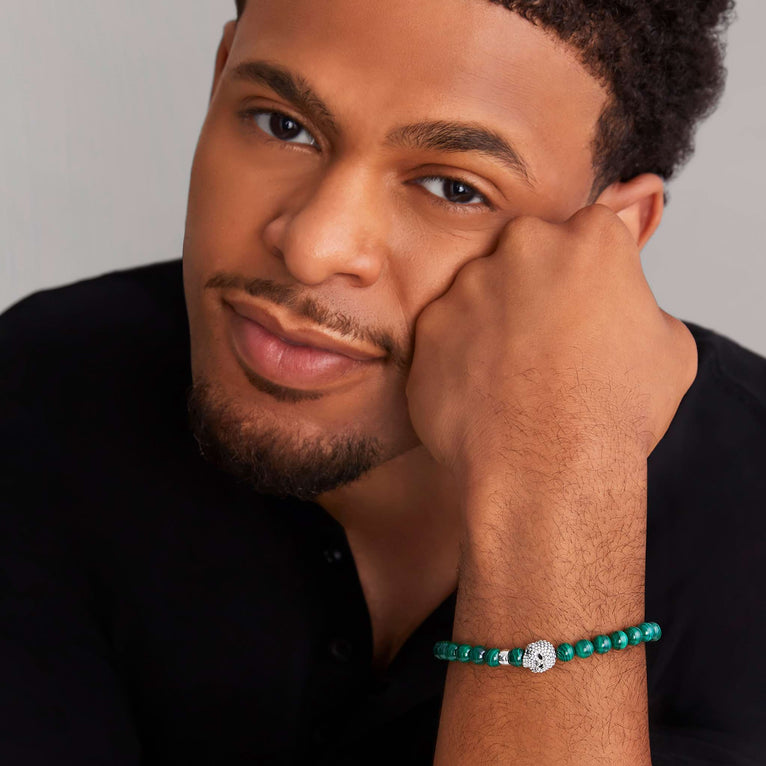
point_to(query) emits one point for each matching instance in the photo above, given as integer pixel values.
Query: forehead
(377, 65)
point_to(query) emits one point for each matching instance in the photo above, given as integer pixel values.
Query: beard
(271, 460)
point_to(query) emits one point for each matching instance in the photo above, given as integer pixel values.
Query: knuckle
(594, 215)
(525, 240)
(602, 223)
(522, 229)
(470, 278)
(427, 322)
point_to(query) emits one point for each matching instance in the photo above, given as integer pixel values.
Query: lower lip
(284, 363)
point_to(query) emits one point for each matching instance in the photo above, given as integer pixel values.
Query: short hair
(661, 62)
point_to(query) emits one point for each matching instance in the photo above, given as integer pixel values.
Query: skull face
(539, 656)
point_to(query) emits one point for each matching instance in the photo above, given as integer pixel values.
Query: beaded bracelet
(540, 656)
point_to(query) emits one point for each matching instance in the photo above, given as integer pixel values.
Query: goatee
(267, 458)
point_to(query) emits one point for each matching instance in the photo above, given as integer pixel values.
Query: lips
(296, 357)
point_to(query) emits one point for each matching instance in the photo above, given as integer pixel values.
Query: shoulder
(705, 580)
(91, 371)
(97, 314)
(711, 459)
(718, 434)
(720, 424)
(94, 329)
(734, 369)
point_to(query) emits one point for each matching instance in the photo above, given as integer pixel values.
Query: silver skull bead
(539, 656)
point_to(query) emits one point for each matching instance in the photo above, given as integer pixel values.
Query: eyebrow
(460, 137)
(445, 136)
(290, 86)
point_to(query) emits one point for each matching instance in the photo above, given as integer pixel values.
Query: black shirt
(155, 611)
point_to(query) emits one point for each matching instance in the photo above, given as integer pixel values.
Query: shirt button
(341, 649)
(332, 555)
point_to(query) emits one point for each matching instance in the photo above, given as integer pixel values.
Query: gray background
(102, 102)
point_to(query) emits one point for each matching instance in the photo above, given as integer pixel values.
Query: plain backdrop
(102, 102)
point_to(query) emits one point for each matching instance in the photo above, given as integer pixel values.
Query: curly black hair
(661, 61)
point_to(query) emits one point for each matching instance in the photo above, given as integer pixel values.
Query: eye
(453, 191)
(280, 126)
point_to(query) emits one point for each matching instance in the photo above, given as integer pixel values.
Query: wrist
(566, 477)
(548, 556)
(541, 588)
(551, 441)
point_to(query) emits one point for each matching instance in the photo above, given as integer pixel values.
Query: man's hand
(543, 378)
(548, 343)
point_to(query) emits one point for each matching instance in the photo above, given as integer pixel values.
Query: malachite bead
(619, 639)
(583, 648)
(464, 652)
(565, 652)
(602, 644)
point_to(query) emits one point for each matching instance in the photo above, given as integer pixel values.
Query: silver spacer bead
(539, 656)
(502, 658)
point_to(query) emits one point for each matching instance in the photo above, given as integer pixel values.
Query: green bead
(516, 657)
(463, 652)
(619, 639)
(584, 648)
(634, 635)
(477, 655)
(565, 652)
(451, 651)
(647, 631)
(602, 644)
(657, 632)
(491, 657)
(439, 650)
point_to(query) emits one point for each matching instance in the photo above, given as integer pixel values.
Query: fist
(551, 345)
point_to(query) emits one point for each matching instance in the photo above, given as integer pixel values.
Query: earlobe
(222, 56)
(639, 202)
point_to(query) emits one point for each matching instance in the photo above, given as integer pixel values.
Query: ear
(222, 56)
(639, 202)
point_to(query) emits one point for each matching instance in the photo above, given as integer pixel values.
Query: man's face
(334, 218)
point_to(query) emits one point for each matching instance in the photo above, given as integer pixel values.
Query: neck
(402, 524)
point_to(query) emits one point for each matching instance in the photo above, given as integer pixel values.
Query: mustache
(295, 299)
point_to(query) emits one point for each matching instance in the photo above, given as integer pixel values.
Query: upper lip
(305, 336)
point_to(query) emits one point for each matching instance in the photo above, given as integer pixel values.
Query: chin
(284, 449)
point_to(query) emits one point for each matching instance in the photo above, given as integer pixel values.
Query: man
(424, 375)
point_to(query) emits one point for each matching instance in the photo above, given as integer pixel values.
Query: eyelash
(247, 116)
(483, 204)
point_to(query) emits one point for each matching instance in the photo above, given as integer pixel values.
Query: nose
(336, 227)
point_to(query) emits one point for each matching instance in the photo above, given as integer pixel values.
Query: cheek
(234, 189)
(218, 191)
(427, 255)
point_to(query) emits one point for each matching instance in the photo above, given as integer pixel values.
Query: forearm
(561, 561)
